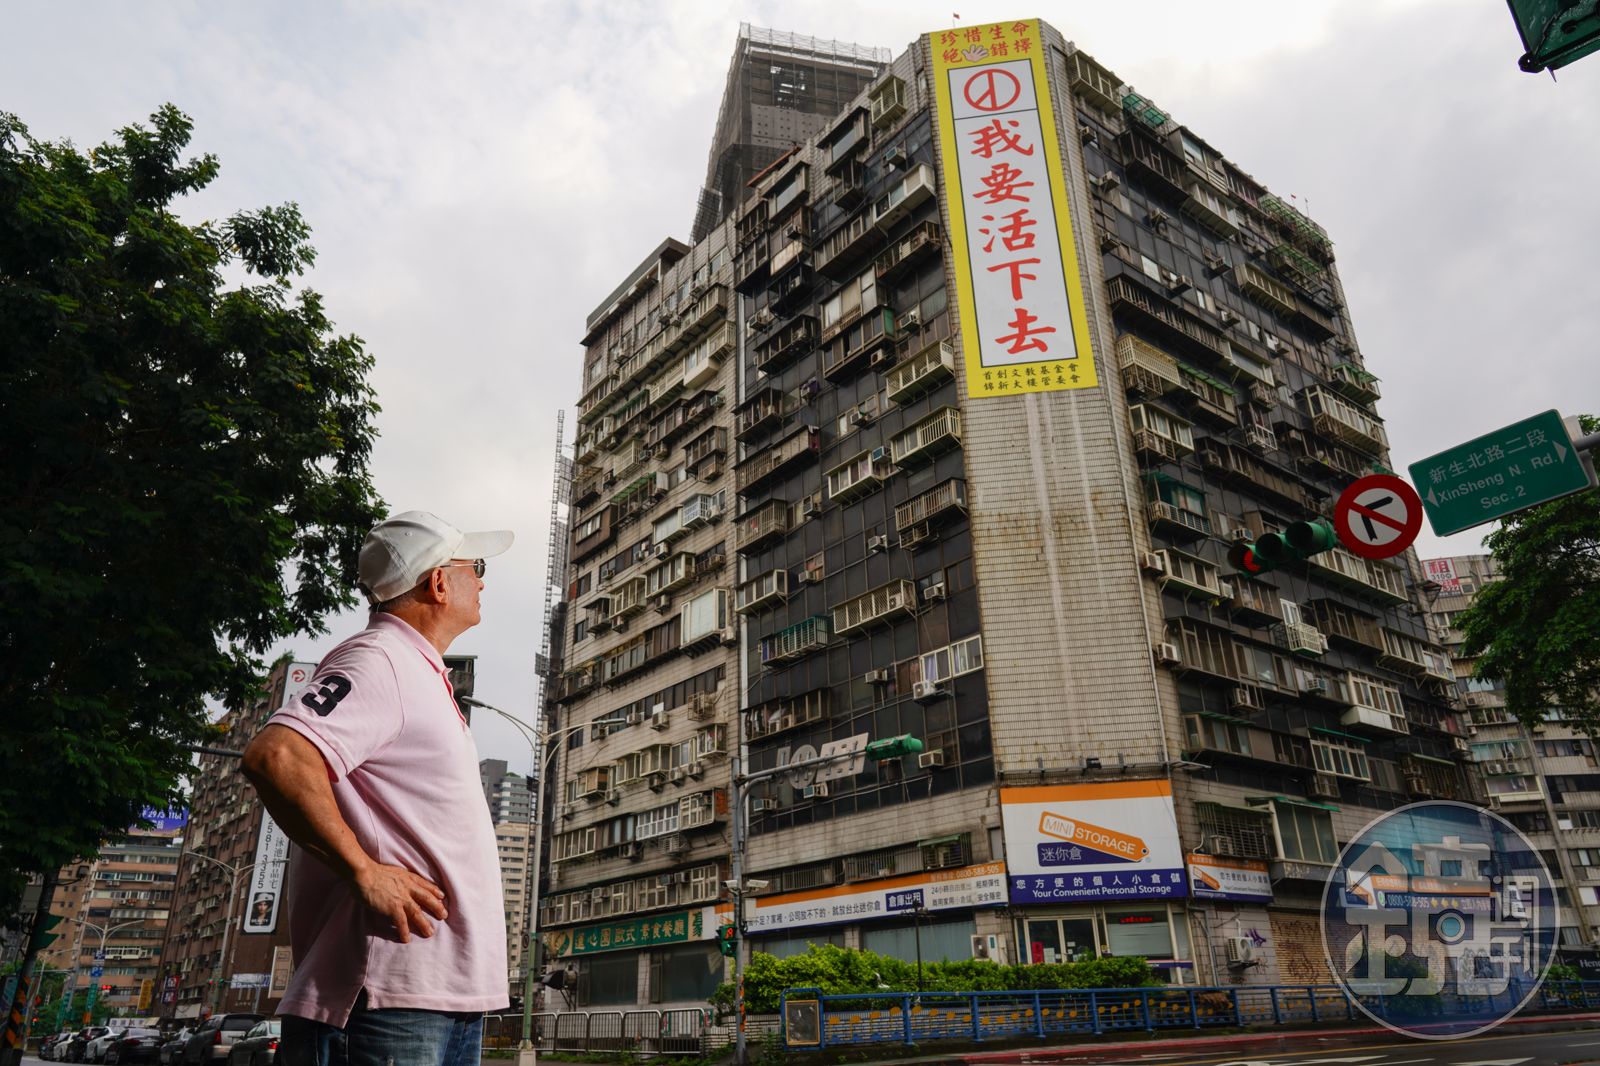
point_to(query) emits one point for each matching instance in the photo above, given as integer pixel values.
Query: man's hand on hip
(405, 898)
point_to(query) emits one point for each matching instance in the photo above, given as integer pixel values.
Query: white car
(96, 1049)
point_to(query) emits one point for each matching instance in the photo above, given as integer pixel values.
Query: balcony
(1365, 577)
(580, 679)
(1209, 208)
(628, 599)
(1146, 369)
(848, 245)
(1176, 522)
(850, 182)
(763, 411)
(1147, 157)
(790, 291)
(862, 344)
(1310, 235)
(906, 252)
(921, 373)
(1234, 465)
(709, 447)
(1341, 420)
(795, 642)
(922, 441)
(700, 365)
(1176, 323)
(692, 323)
(888, 102)
(1347, 625)
(1354, 383)
(1376, 720)
(917, 187)
(801, 445)
(759, 527)
(1209, 399)
(1300, 638)
(875, 607)
(859, 476)
(1158, 435)
(794, 339)
(1094, 84)
(1188, 574)
(752, 262)
(1264, 289)
(1254, 601)
(782, 715)
(761, 592)
(916, 520)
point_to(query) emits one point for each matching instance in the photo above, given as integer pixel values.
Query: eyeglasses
(478, 566)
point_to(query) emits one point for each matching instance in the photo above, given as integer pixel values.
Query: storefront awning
(1295, 801)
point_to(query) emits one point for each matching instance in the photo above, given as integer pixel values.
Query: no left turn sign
(1378, 516)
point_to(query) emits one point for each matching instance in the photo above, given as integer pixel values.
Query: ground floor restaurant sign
(677, 927)
(983, 885)
(1116, 840)
(1245, 880)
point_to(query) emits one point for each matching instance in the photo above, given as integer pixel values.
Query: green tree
(1538, 629)
(183, 465)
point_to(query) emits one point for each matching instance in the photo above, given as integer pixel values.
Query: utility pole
(17, 1010)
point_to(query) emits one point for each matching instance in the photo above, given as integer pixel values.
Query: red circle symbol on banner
(992, 89)
(1378, 516)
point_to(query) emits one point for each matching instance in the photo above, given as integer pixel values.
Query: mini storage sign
(1018, 288)
(1112, 841)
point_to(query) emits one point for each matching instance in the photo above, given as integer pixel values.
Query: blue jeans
(384, 1038)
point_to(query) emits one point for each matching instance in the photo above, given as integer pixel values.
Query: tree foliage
(1538, 629)
(184, 474)
(840, 971)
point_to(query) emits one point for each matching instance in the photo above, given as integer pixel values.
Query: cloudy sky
(480, 175)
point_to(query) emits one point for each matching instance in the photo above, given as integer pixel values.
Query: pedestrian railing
(811, 1019)
(638, 1032)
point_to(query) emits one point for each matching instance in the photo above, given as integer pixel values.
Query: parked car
(134, 1045)
(95, 1050)
(215, 1037)
(72, 1049)
(47, 1046)
(172, 1050)
(259, 1046)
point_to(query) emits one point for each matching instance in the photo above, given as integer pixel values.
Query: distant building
(508, 794)
(512, 840)
(129, 884)
(1544, 779)
(782, 89)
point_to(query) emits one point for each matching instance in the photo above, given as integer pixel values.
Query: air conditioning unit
(1229, 318)
(928, 690)
(878, 677)
(896, 156)
(934, 593)
(728, 637)
(1241, 952)
(1240, 536)
(816, 791)
(1152, 562)
(1168, 654)
(630, 850)
(656, 780)
(1220, 844)
(760, 806)
(673, 843)
(929, 759)
(658, 719)
(679, 776)
(614, 797)
(1246, 698)
(878, 542)
(663, 604)
(696, 770)
(568, 810)
(1107, 182)
(1324, 786)
(1177, 283)
(660, 551)
(810, 507)
(635, 717)
(1495, 767)
(1273, 343)
(1314, 686)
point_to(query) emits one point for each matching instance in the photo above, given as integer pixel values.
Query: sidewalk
(1108, 1044)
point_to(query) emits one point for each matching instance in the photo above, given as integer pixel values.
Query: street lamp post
(234, 872)
(99, 955)
(527, 1054)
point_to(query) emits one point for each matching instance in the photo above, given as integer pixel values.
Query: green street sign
(1555, 32)
(1525, 464)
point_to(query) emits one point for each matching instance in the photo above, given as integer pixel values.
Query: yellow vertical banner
(1019, 288)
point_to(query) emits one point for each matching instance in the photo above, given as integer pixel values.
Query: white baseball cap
(401, 549)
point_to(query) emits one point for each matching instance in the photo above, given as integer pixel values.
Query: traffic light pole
(11, 1041)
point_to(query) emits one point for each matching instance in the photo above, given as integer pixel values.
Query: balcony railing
(1147, 156)
(914, 520)
(1376, 719)
(1127, 294)
(1343, 421)
(795, 642)
(926, 370)
(1146, 369)
(1300, 638)
(1176, 520)
(1208, 207)
(801, 445)
(936, 433)
(1365, 577)
(763, 411)
(1354, 383)
(1093, 83)
(1234, 464)
(905, 252)
(792, 341)
(861, 345)
(1263, 288)
(766, 523)
(878, 605)
(848, 244)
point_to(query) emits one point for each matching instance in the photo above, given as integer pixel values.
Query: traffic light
(728, 940)
(1296, 542)
(893, 747)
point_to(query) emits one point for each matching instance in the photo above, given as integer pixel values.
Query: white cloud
(481, 176)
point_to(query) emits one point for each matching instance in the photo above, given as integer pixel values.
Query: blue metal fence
(815, 1020)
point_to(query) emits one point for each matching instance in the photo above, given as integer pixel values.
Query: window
(1342, 756)
(1210, 733)
(1307, 833)
(658, 821)
(858, 295)
(962, 657)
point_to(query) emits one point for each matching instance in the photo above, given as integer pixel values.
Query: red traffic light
(1243, 558)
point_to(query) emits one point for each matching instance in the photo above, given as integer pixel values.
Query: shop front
(1096, 871)
(662, 959)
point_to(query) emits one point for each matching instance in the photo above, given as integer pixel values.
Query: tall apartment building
(1544, 779)
(806, 510)
(782, 88)
(508, 794)
(126, 893)
(512, 841)
(228, 923)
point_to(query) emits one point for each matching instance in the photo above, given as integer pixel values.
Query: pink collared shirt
(405, 775)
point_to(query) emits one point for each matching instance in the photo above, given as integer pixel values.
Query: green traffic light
(1309, 538)
(893, 747)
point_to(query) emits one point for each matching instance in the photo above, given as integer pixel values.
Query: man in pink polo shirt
(394, 908)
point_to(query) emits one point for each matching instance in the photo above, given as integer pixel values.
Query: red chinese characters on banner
(1006, 183)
